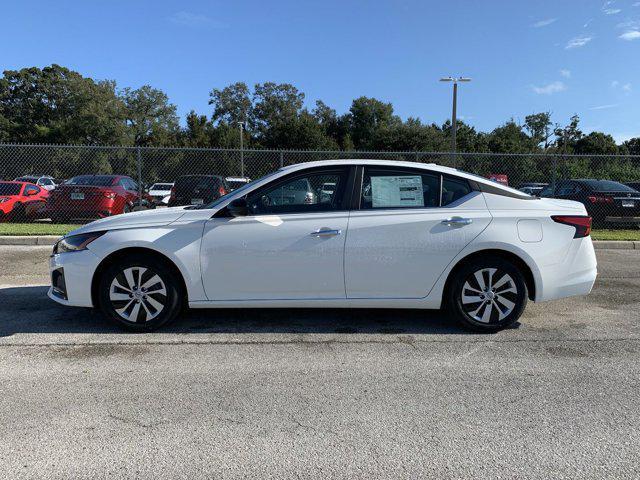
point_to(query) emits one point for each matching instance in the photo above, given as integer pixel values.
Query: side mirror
(238, 208)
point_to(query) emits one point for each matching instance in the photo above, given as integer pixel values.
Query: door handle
(457, 221)
(325, 232)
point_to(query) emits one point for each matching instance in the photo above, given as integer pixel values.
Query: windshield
(92, 180)
(244, 188)
(161, 186)
(10, 188)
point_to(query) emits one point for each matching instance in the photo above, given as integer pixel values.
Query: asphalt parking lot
(320, 394)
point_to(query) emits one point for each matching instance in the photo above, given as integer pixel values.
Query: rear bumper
(573, 276)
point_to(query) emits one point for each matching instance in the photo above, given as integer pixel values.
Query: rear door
(410, 225)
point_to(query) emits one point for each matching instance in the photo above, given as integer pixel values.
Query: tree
(566, 137)
(540, 129)
(58, 105)
(596, 143)
(631, 146)
(151, 119)
(368, 115)
(510, 138)
(232, 104)
(198, 131)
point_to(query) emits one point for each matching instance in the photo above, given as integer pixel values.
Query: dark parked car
(634, 185)
(607, 202)
(94, 196)
(197, 190)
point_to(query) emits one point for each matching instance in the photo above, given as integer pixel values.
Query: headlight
(75, 243)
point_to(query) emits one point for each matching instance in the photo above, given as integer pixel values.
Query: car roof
(432, 167)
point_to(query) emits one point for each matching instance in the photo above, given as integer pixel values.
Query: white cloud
(189, 19)
(611, 11)
(577, 42)
(604, 107)
(630, 35)
(615, 83)
(544, 23)
(553, 87)
(626, 87)
(637, 4)
(565, 73)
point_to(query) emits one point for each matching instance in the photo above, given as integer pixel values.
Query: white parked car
(387, 235)
(43, 181)
(161, 192)
(236, 182)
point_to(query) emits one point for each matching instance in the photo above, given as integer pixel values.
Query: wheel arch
(129, 251)
(518, 261)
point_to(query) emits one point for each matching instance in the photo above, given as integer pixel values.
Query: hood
(146, 218)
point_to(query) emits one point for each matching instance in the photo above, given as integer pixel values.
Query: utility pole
(241, 124)
(454, 119)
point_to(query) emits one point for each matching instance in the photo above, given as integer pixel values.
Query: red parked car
(94, 196)
(21, 200)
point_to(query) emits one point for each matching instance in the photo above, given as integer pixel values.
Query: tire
(477, 280)
(122, 300)
(19, 213)
(126, 208)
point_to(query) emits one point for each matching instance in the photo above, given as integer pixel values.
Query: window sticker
(400, 191)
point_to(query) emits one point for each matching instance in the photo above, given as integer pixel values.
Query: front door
(410, 226)
(289, 247)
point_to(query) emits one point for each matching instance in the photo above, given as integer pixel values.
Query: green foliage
(57, 105)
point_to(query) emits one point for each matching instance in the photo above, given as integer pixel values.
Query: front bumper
(73, 271)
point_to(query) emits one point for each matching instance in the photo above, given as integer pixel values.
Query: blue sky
(524, 56)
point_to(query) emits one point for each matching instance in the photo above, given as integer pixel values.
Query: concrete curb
(29, 240)
(34, 240)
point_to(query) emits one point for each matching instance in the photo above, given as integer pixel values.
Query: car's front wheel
(139, 293)
(487, 295)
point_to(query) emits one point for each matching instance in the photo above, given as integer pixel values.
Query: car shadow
(29, 310)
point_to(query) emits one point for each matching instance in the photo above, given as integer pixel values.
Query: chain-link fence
(81, 183)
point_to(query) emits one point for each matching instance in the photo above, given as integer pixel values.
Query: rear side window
(387, 188)
(607, 186)
(453, 189)
(31, 188)
(92, 180)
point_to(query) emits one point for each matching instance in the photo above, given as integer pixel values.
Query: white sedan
(386, 235)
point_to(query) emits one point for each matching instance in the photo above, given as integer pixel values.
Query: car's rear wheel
(139, 293)
(488, 294)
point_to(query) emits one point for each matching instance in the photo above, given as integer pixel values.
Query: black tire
(119, 303)
(126, 208)
(18, 213)
(471, 311)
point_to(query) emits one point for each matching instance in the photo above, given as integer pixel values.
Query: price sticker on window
(397, 191)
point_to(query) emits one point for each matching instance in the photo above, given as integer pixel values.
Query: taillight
(221, 191)
(581, 223)
(109, 194)
(600, 199)
(172, 195)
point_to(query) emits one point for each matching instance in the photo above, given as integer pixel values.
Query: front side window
(387, 188)
(307, 193)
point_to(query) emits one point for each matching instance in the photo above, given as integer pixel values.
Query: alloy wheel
(489, 295)
(138, 294)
